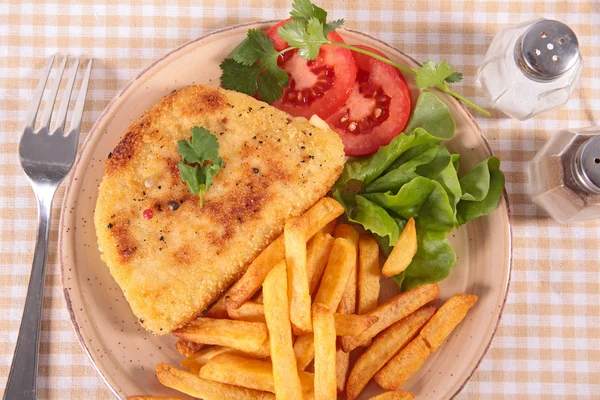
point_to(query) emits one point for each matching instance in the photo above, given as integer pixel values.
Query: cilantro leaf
(305, 10)
(191, 176)
(454, 77)
(270, 88)
(253, 68)
(307, 37)
(211, 170)
(202, 151)
(256, 47)
(333, 25)
(431, 74)
(205, 143)
(239, 77)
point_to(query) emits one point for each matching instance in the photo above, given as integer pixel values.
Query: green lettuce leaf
(487, 171)
(371, 216)
(404, 173)
(422, 198)
(432, 115)
(360, 171)
(441, 169)
(433, 262)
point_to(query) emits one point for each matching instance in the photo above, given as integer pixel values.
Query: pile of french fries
(311, 298)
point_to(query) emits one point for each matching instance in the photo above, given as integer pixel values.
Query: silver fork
(46, 158)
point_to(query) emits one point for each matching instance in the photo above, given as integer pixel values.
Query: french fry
(328, 229)
(249, 311)
(408, 361)
(218, 309)
(339, 266)
(256, 273)
(317, 254)
(258, 298)
(152, 398)
(403, 365)
(197, 360)
(347, 232)
(403, 252)
(304, 349)
(352, 324)
(297, 276)
(348, 302)
(250, 373)
(330, 293)
(368, 273)
(195, 386)
(450, 314)
(342, 366)
(384, 347)
(318, 216)
(394, 395)
(277, 314)
(241, 335)
(187, 348)
(345, 324)
(393, 311)
(324, 338)
(315, 218)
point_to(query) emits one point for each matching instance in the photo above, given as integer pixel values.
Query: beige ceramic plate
(125, 355)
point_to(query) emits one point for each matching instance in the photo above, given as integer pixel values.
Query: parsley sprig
(201, 161)
(252, 67)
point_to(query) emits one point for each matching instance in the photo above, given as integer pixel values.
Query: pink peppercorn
(148, 214)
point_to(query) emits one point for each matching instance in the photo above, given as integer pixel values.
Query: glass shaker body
(511, 89)
(556, 182)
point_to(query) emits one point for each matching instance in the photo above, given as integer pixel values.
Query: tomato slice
(377, 110)
(320, 86)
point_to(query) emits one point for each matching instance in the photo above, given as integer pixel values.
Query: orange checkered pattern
(548, 343)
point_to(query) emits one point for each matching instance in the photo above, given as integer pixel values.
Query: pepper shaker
(531, 68)
(564, 177)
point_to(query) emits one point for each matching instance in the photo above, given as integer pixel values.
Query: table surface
(548, 342)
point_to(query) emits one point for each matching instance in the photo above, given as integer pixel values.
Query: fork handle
(23, 371)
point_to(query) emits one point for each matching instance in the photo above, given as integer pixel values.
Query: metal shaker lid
(547, 50)
(587, 165)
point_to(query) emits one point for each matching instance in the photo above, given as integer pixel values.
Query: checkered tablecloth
(548, 343)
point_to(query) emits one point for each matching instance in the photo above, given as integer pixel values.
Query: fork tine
(78, 111)
(37, 97)
(46, 117)
(64, 104)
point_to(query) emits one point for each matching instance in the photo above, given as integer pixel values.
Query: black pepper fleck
(256, 170)
(110, 226)
(110, 155)
(173, 205)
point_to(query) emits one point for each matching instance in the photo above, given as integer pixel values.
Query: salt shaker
(564, 177)
(531, 68)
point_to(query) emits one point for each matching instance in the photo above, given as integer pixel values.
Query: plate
(125, 355)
